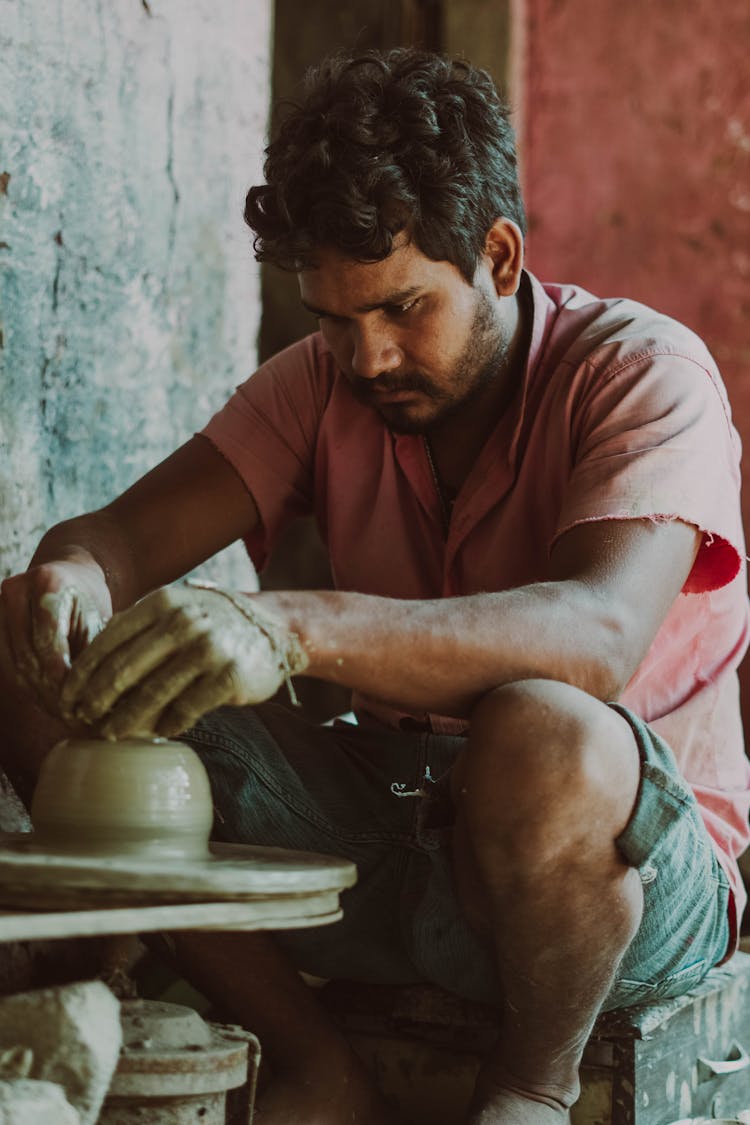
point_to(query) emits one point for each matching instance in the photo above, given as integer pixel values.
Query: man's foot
(500, 1099)
(508, 1108)
(324, 1098)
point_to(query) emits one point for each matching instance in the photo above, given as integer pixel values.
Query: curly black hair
(384, 142)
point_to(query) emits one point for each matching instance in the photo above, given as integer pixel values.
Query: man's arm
(178, 654)
(612, 583)
(185, 510)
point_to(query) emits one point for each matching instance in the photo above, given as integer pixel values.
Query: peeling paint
(686, 1099)
(739, 197)
(738, 135)
(133, 311)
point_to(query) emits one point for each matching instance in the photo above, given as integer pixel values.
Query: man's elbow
(619, 654)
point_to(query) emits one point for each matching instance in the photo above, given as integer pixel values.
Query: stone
(74, 1035)
(13, 815)
(24, 1101)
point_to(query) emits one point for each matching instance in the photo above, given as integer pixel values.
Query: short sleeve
(267, 431)
(654, 440)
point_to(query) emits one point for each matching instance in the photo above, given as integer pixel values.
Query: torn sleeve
(654, 440)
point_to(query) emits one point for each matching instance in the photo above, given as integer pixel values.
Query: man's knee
(547, 767)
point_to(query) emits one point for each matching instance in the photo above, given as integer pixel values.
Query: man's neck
(455, 443)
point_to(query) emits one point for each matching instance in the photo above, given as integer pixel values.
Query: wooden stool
(649, 1065)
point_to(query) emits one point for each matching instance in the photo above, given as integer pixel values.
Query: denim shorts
(367, 794)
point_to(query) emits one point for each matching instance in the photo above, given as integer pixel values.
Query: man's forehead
(337, 276)
(328, 260)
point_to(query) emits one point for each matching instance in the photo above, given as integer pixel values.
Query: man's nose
(374, 352)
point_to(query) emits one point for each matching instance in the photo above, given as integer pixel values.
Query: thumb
(50, 629)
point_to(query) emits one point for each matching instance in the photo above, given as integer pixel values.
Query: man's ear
(503, 252)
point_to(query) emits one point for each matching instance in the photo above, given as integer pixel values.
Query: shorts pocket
(629, 991)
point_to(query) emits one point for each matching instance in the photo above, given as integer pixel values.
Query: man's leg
(280, 779)
(316, 1077)
(545, 786)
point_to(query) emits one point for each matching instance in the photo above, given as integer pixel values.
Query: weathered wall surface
(129, 299)
(636, 156)
(636, 149)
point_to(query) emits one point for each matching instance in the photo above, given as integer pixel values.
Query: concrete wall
(129, 298)
(637, 158)
(636, 154)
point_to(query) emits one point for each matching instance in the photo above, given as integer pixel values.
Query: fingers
(173, 703)
(142, 710)
(50, 626)
(137, 661)
(145, 658)
(172, 700)
(202, 696)
(44, 610)
(157, 667)
(85, 623)
(37, 637)
(113, 662)
(17, 611)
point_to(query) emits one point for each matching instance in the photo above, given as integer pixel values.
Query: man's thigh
(368, 794)
(280, 780)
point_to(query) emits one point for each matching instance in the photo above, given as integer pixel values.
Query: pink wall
(635, 134)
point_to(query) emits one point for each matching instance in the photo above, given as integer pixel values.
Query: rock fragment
(74, 1036)
(23, 1101)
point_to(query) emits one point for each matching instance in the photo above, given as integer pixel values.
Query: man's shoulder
(298, 379)
(302, 386)
(305, 358)
(612, 332)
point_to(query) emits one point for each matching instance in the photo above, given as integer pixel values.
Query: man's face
(413, 337)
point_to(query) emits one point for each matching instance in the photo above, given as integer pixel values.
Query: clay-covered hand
(180, 652)
(51, 613)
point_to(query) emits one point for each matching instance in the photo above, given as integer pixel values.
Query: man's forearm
(612, 583)
(444, 655)
(96, 543)
(590, 625)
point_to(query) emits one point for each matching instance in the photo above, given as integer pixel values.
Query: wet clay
(140, 796)
(68, 611)
(178, 653)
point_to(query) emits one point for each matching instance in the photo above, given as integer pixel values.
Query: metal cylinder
(204, 1109)
(176, 1069)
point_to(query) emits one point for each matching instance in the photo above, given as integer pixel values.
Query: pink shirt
(621, 414)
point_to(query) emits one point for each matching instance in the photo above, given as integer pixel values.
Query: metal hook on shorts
(398, 788)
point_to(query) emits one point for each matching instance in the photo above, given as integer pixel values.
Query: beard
(483, 360)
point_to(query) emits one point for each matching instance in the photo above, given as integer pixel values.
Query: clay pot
(139, 796)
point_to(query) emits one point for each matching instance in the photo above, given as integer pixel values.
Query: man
(529, 496)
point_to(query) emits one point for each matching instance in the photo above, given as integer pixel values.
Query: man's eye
(401, 310)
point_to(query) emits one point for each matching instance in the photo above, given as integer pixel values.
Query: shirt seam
(591, 363)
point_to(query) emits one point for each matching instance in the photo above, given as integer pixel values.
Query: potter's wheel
(124, 827)
(33, 877)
